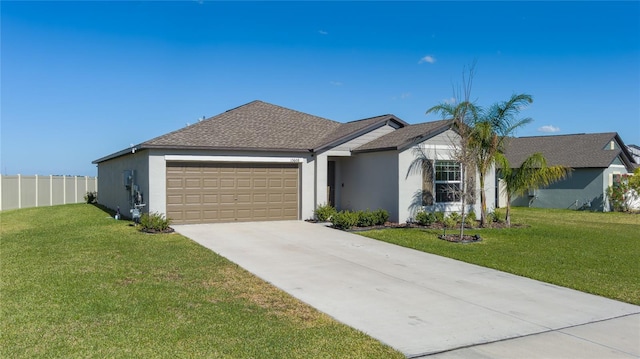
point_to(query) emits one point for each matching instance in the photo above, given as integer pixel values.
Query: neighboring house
(264, 162)
(595, 159)
(635, 152)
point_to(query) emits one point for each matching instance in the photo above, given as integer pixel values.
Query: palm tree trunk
(483, 203)
(508, 215)
(463, 198)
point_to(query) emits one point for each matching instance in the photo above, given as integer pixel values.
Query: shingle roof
(406, 136)
(575, 151)
(356, 127)
(262, 126)
(256, 125)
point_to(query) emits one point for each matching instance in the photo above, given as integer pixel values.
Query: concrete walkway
(422, 304)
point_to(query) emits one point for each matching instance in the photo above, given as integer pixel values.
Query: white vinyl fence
(17, 191)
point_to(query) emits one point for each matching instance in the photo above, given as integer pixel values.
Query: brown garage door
(229, 192)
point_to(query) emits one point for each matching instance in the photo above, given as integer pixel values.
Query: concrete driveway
(422, 304)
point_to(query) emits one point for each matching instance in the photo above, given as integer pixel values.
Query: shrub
(425, 218)
(494, 217)
(347, 219)
(624, 191)
(324, 213)
(372, 218)
(455, 217)
(366, 218)
(439, 217)
(91, 197)
(154, 222)
(616, 194)
(344, 219)
(449, 221)
(381, 216)
(470, 220)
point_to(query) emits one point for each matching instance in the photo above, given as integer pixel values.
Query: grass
(76, 283)
(592, 252)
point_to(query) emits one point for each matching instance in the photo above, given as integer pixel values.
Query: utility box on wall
(127, 178)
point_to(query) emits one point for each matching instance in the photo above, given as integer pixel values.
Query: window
(447, 181)
(441, 182)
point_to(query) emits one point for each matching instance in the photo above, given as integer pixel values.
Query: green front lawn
(597, 253)
(76, 283)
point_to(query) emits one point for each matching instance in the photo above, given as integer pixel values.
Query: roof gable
(576, 151)
(350, 130)
(406, 137)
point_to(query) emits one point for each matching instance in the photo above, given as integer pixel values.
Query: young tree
(461, 112)
(532, 174)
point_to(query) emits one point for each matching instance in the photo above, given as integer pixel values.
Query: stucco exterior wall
(490, 191)
(369, 181)
(409, 187)
(342, 156)
(582, 190)
(112, 191)
(307, 194)
(157, 197)
(436, 148)
(320, 185)
(585, 189)
(444, 139)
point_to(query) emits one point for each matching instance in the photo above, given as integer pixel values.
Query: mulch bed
(152, 231)
(454, 236)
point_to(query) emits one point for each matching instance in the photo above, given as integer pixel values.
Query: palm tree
(487, 136)
(532, 174)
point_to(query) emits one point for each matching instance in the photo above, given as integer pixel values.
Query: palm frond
(534, 173)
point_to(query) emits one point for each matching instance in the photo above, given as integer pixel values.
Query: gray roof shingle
(256, 125)
(352, 128)
(406, 136)
(262, 126)
(575, 151)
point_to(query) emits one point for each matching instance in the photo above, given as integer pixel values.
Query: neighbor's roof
(576, 151)
(406, 137)
(261, 126)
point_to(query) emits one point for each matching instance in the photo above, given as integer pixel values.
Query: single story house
(595, 158)
(261, 162)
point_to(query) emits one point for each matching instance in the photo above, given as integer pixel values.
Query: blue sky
(80, 80)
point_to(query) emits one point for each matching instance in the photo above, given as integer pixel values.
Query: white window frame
(440, 182)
